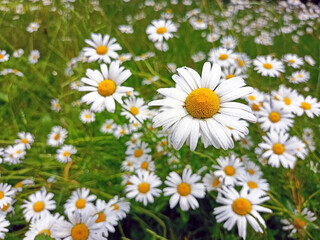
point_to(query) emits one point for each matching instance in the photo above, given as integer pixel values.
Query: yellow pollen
(278, 148)
(108, 126)
(255, 107)
(38, 206)
(80, 203)
(300, 76)
(169, 10)
(252, 185)
(129, 164)
(298, 223)
(161, 30)
(134, 140)
(274, 117)
(101, 50)
(223, 56)
(229, 170)
(45, 231)
(18, 185)
(251, 171)
(122, 58)
(252, 98)
(287, 101)
(80, 232)
(101, 217)
(122, 132)
(24, 140)
(202, 103)
(199, 20)
(106, 87)
(241, 63)
(164, 143)
(292, 61)
(241, 206)
(138, 153)
(267, 65)
(144, 187)
(305, 106)
(57, 136)
(19, 151)
(5, 207)
(115, 207)
(1, 56)
(145, 165)
(66, 154)
(134, 110)
(216, 182)
(1, 194)
(230, 76)
(87, 116)
(184, 189)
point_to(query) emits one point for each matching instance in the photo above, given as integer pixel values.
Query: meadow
(169, 119)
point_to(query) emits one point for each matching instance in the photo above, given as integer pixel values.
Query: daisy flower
(242, 61)
(135, 109)
(252, 168)
(4, 224)
(149, 80)
(228, 42)
(301, 148)
(160, 30)
(101, 48)
(246, 142)
(143, 187)
(287, 97)
(279, 148)
(212, 37)
(18, 53)
(241, 208)
(81, 226)
(299, 76)
(275, 117)
(3, 56)
(129, 164)
(309, 106)
(198, 57)
(80, 200)
(38, 206)
(121, 131)
(124, 57)
(184, 189)
(105, 87)
(254, 182)
(25, 138)
(14, 154)
(57, 136)
(120, 207)
(108, 126)
(64, 153)
(87, 116)
(135, 139)
(222, 56)
(231, 72)
(229, 169)
(6, 194)
(202, 107)
(293, 60)
(212, 182)
(145, 164)
(126, 29)
(55, 105)
(33, 27)
(268, 66)
(309, 60)
(34, 56)
(138, 152)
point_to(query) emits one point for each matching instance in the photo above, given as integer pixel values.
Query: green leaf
(43, 237)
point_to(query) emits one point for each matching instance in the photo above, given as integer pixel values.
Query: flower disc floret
(241, 206)
(106, 87)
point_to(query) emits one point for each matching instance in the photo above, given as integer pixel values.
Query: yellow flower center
(255, 107)
(134, 110)
(5, 207)
(298, 223)
(287, 101)
(216, 182)
(57, 136)
(80, 203)
(274, 117)
(230, 76)
(278, 148)
(19, 151)
(80, 232)
(184, 189)
(145, 165)
(108, 126)
(87, 116)
(1, 194)
(252, 185)
(241, 206)
(305, 106)
(252, 98)
(1, 56)
(24, 140)
(101, 217)
(223, 56)
(101, 50)
(229, 170)
(38, 206)
(202, 103)
(300, 76)
(45, 231)
(161, 30)
(106, 87)
(115, 207)
(292, 61)
(251, 171)
(241, 63)
(66, 154)
(144, 187)
(18, 185)
(164, 143)
(267, 65)
(122, 132)
(138, 153)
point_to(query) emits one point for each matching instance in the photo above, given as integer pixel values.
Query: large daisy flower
(102, 48)
(161, 29)
(268, 66)
(105, 87)
(202, 107)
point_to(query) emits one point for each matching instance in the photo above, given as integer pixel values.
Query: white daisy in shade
(34, 56)
(120, 207)
(309, 106)
(274, 117)
(202, 107)
(301, 148)
(101, 48)
(105, 87)
(241, 208)
(293, 60)
(121, 130)
(254, 182)
(7, 208)
(25, 138)
(160, 30)
(38, 206)
(252, 168)
(228, 42)
(6, 194)
(268, 66)
(4, 224)
(57, 136)
(184, 190)
(242, 61)
(81, 226)
(279, 148)
(229, 169)
(80, 200)
(135, 109)
(64, 153)
(212, 182)
(43, 226)
(222, 56)
(143, 187)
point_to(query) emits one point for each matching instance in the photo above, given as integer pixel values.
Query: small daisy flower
(241, 208)
(252, 168)
(309, 60)
(34, 56)
(18, 53)
(198, 23)
(25, 138)
(254, 182)
(55, 105)
(228, 42)
(123, 57)
(229, 169)
(4, 226)
(138, 152)
(14, 154)
(150, 80)
(212, 182)
(129, 164)
(287, 97)
(246, 142)
(143, 187)
(301, 148)
(231, 72)
(309, 106)
(198, 57)
(101, 48)
(293, 60)
(242, 61)
(212, 37)
(3, 56)
(6, 194)
(64, 153)
(120, 207)
(87, 116)
(144, 56)
(25, 182)
(8, 208)
(121, 130)
(299, 76)
(38, 206)
(105, 87)
(135, 109)
(57, 136)
(160, 30)
(80, 200)
(222, 56)
(161, 46)
(184, 189)
(33, 27)
(126, 29)
(268, 66)
(108, 126)
(145, 164)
